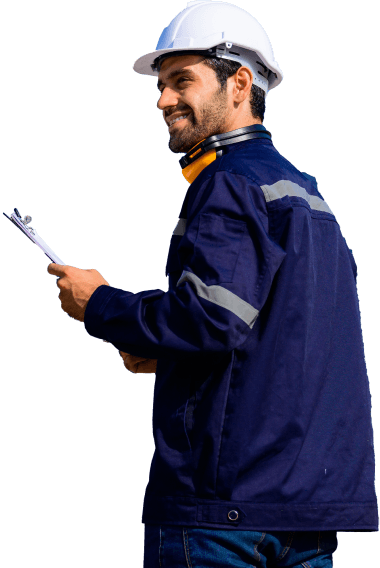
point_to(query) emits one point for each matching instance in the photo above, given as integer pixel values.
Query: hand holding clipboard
(69, 277)
(76, 285)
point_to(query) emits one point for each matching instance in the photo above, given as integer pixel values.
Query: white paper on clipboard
(32, 234)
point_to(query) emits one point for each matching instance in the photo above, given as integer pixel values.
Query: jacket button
(233, 515)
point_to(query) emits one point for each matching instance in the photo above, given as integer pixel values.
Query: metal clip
(25, 221)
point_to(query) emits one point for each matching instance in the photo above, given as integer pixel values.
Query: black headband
(225, 139)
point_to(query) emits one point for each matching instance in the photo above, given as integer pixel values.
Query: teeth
(176, 119)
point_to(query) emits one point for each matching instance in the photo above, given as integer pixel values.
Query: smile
(177, 119)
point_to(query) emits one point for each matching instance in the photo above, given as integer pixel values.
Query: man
(261, 416)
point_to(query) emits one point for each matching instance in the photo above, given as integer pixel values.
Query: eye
(182, 79)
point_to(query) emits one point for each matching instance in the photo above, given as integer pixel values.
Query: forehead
(179, 62)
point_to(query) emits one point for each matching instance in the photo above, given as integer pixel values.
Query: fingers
(138, 364)
(131, 361)
(147, 366)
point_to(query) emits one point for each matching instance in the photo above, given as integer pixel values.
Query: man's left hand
(76, 287)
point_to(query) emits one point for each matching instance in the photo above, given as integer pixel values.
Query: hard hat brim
(143, 65)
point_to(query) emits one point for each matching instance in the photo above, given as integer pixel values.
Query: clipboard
(23, 225)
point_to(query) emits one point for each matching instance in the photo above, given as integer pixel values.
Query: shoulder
(260, 161)
(273, 175)
(256, 160)
(255, 171)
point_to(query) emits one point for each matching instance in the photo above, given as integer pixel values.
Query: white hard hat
(217, 29)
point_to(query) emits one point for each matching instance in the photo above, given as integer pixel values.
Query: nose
(168, 98)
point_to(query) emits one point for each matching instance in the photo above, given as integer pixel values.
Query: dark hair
(225, 68)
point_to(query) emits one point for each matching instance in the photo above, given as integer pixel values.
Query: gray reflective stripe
(285, 187)
(180, 228)
(222, 297)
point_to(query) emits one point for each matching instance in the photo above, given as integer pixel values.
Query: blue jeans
(188, 547)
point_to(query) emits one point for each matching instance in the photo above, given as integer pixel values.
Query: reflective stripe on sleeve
(221, 297)
(180, 227)
(286, 187)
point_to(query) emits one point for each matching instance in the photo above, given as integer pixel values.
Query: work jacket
(262, 412)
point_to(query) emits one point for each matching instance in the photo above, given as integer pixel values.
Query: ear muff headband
(225, 139)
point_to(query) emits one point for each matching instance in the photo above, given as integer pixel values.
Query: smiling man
(194, 103)
(262, 415)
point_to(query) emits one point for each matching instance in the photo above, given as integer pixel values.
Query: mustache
(173, 110)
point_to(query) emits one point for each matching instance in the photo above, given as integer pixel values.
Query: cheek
(194, 98)
(196, 105)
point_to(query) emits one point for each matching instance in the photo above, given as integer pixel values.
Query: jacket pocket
(217, 247)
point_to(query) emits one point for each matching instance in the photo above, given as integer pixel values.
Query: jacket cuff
(93, 321)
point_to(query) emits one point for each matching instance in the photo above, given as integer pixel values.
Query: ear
(242, 84)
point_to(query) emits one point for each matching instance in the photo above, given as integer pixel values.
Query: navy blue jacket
(262, 412)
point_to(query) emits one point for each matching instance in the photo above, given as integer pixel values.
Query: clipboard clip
(24, 220)
(23, 225)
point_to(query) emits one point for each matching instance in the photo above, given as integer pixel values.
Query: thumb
(56, 269)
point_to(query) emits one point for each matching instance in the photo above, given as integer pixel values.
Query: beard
(210, 120)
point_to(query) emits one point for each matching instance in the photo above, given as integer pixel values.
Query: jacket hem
(245, 515)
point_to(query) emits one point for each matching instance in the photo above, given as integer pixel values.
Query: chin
(182, 144)
(178, 146)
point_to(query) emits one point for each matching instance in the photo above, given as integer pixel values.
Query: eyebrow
(175, 74)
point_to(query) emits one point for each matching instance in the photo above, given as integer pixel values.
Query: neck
(240, 122)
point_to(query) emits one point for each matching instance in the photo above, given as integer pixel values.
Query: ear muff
(193, 170)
